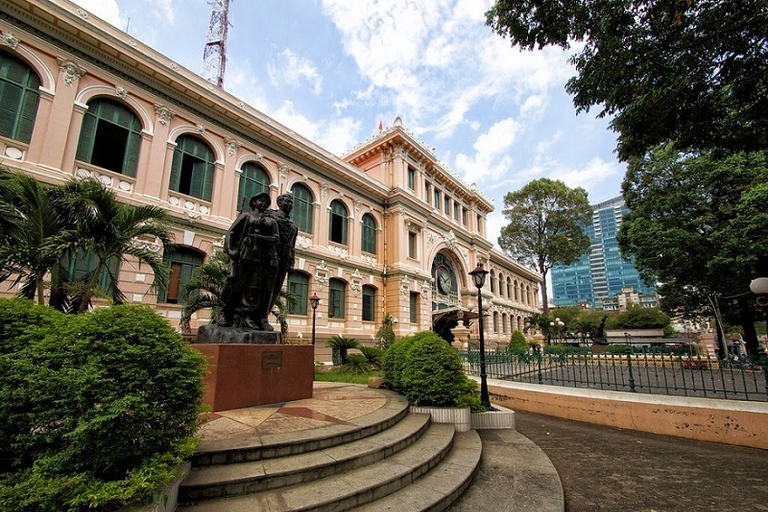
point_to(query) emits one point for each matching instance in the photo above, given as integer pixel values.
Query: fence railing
(666, 374)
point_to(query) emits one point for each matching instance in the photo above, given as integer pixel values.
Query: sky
(331, 70)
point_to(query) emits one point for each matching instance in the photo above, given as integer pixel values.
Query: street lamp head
(478, 275)
(314, 301)
(759, 286)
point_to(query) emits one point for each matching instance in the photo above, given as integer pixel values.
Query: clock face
(444, 281)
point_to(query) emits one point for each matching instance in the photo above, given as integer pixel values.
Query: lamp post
(478, 275)
(314, 301)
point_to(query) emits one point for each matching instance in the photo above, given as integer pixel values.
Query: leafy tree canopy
(698, 224)
(546, 226)
(694, 71)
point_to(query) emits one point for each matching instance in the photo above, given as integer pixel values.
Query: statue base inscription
(246, 375)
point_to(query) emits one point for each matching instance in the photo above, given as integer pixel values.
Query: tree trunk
(544, 298)
(748, 324)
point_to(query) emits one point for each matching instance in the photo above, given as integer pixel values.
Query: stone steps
(408, 464)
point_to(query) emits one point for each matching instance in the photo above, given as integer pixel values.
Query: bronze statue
(251, 243)
(285, 247)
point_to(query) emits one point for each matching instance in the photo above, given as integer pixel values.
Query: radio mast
(215, 53)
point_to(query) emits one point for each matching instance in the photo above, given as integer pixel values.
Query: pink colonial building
(385, 229)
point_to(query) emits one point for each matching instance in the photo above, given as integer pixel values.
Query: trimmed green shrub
(433, 374)
(393, 361)
(518, 343)
(97, 411)
(22, 321)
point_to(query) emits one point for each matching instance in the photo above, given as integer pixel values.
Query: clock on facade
(444, 281)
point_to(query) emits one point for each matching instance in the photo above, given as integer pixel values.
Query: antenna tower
(215, 53)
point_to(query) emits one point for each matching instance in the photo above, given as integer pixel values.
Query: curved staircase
(388, 459)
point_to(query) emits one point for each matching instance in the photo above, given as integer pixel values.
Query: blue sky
(332, 69)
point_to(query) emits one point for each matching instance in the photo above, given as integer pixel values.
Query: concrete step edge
(350, 489)
(441, 487)
(248, 477)
(280, 445)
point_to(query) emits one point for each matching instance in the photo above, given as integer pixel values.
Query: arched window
(337, 225)
(493, 281)
(253, 180)
(336, 298)
(517, 295)
(110, 137)
(527, 296)
(509, 287)
(369, 303)
(504, 323)
(19, 97)
(298, 286)
(501, 284)
(182, 262)
(302, 208)
(495, 321)
(192, 168)
(368, 243)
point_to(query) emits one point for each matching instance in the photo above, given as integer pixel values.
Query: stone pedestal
(246, 375)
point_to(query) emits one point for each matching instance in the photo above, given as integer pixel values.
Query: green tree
(638, 317)
(546, 226)
(32, 220)
(691, 71)
(111, 232)
(343, 344)
(697, 224)
(51, 225)
(204, 288)
(386, 334)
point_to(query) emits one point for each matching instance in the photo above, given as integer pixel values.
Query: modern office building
(384, 229)
(602, 279)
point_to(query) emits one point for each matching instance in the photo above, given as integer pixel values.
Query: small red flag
(381, 126)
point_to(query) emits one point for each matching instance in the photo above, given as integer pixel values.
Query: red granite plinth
(245, 375)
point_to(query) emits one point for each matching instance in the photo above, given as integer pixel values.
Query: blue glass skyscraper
(603, 273)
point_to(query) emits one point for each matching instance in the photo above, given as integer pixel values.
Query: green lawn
(343, 376)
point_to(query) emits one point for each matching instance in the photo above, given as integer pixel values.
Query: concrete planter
(169, 498)
(499, 418)
(460, 417)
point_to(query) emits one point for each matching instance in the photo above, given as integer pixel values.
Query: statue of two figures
(260, 244)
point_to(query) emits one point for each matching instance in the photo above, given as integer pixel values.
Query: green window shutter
(298, 286)
(131, 159)
(10, 100)
(302, 213)
(87, 137)
(28, 114)
(208, 174)
(176, 169)
(369, 304)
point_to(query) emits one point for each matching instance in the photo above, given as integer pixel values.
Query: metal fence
(665, 374)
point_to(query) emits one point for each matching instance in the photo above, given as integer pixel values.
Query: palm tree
(205, 287)
(32, 218)
(342, 344)
(51, 226)
(111, 231)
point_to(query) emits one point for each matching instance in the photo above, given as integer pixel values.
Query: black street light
(314, 301)
(479, 275)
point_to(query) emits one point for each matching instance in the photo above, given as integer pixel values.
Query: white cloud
(335, 135)
(491, 158)
(293, 69)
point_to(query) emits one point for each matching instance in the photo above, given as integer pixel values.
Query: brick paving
(610, 469)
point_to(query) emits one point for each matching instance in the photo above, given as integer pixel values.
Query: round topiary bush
(393, 361)
(432, 374)
(96, 412)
